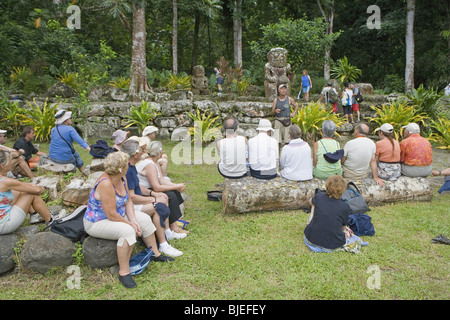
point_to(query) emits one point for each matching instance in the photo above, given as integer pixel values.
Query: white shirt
(143, 180)
(359, 152)
(263, 153)
(233, 156)
(296, 161)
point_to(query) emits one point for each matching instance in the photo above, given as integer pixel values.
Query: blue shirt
(305, 81)
(133, 180)
(59, 149)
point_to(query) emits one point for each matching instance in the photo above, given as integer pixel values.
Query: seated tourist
(446, 172)
(263, 153)
(110, 215)
(359, 156)
(146, 200)
(295, 159)
(330, 166)
(62, 136)
(150, 177)
(150, 134)
(17, 164)
(16, 200)
(25, 144)
(232, 151)
(119, 136)
(387, 153)
(327, 229)
(416, 153)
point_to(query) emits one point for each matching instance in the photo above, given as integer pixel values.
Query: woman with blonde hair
(110, 215)
(16, 199)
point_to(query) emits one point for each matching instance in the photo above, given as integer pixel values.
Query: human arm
(274, 110)
(160, 185)
(76, 137)
(310, 82)
(13, 184)
(374, 169)
(315, 148)
(293, 102)
(444, 172)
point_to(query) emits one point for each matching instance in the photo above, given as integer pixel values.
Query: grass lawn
(261, 256)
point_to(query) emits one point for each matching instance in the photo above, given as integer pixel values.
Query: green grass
(262, 256)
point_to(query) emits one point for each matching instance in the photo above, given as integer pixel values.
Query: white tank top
(233, 156)
(141, 174)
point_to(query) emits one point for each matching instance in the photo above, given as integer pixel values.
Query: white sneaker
(170, 251)
(170, 235)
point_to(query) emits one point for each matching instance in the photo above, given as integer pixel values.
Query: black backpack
(359, 97)
(100, 149)
(71, 226)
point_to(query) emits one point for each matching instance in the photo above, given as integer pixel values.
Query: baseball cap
(282, 85)
(3, 131)
(386, 127)
(412, 127)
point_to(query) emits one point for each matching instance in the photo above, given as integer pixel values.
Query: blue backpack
(140, 261)
(361, 224)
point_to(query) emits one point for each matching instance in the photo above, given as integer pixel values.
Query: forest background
(37, 47)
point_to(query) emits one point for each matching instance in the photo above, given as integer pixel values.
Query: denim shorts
(306, 89)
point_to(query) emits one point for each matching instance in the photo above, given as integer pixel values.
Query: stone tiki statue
(199, 82)
(277, 71)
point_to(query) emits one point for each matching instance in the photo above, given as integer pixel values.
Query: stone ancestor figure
(277, 71)
(199, 82)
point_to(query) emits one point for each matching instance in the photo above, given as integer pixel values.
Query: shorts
(281, 132)
(220, 80)
(347, 109)
(306, 89)
(16, 217)
(355, 107)
(335, 109)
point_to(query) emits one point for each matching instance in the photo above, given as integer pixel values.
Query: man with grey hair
(416, 155)
(359, 156)
(324, 165)
(295, 159)
(232, 151)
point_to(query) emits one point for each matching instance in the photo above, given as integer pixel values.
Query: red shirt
(416, 151)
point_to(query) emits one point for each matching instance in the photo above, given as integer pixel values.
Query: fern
(41, 118)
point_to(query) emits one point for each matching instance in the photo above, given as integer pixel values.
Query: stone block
(7, 244)
(100, 253)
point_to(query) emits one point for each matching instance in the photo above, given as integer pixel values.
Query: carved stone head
(277, 57)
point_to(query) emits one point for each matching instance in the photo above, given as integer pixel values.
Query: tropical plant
(70, 78)
(441, 134)
(13, 115)
(398, 114)
(344, 71)
(425, 99)
(41, 118)
(142, 115)
(205, 127)
(121, 83)
(182, 81)
(311, 117)
(242, 85)
(20, 75)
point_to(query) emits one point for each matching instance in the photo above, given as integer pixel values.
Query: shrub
(121, 83)
(141, 115)
(183, 81)
(441, 134)
(425, 99)
(344, 71)
(205, 127)
(42, 119)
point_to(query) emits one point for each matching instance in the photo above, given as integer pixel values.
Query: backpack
(361, 224)
(332, 96)
(359, 97)
(70, 226)
(346, 101)
(354, 199)
(100, 149)
(140, 261)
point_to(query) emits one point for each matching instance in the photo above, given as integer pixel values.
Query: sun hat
(62, 115)
(412, 127)
(282, 85)
(264, 125)
(120, 136)
(148, 130)
(386, 127)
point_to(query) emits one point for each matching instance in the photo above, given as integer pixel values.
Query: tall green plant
(13, 115)
(182, 80)
(425, 99)
(398, 114)
(205, 128)
(141, 115)
(311, 117)
(441, 134)
(344, 71)
(41, 118)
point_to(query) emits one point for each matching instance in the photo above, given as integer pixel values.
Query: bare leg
(123, 255)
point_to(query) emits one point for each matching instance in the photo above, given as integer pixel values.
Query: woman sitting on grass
(150, 177)
(327, 229)
(16, 199)
(110, 215)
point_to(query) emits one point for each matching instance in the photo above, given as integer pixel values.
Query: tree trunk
(138, 74)
(195, 44)
(409, 38)
(175, 38)
(328, 17)
(237, 32)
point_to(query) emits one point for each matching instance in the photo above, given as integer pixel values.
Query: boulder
(51, 183)
(250, 194)
(76, 193)
(100, 253)
(46, 250)
(57, 167)
(365, 88)
(61, 90)
(7, 244)
(179, 134)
